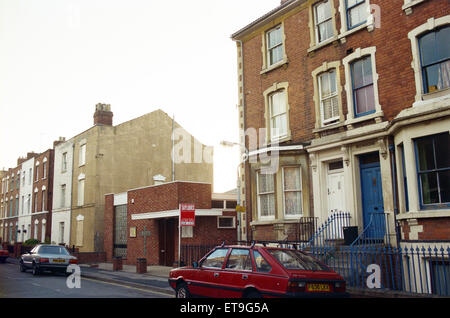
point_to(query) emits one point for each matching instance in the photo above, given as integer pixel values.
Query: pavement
(156, 278)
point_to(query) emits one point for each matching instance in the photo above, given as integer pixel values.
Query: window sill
(274, 66)
(407, 7)
(342, 36)
(352, 121)
(329, 127)
(322, 44)
(424, 214)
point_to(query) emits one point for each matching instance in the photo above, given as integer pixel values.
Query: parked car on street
(256, 271)
(3, 254)
(46, 257)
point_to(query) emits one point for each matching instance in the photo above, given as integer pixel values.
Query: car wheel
(182, 291)
(22, 267)
(253, 294)
(35, 270)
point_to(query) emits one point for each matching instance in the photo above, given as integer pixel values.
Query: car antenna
(223, 244)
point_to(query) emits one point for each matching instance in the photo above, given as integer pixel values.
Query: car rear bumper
(318, 295)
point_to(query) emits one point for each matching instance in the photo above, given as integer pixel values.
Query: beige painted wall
(123, 157)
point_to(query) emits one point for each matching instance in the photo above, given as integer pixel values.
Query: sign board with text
(187, 214)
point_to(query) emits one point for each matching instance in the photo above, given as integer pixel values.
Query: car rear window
(297, 260)
(53, 250)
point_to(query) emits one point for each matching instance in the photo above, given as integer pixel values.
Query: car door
(236, 275)
(205, 282)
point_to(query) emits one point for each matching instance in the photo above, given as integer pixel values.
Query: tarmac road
(14, 284)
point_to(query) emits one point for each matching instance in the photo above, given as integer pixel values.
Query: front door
(167, 239)
(372, 196)
(336, 196)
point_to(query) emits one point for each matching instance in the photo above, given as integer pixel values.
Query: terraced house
(353, 97)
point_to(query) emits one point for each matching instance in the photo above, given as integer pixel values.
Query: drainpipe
(247, 213)
(394, 185)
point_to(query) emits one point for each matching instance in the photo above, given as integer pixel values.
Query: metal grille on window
(120, 231)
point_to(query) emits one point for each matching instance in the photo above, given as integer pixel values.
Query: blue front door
(372, 200)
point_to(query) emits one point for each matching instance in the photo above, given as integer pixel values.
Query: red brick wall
(396, 83)
(165, 197)
(433, 229)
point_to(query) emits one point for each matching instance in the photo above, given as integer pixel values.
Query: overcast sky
(58, 58)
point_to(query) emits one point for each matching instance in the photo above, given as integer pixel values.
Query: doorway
(167, 237)
(372, 195)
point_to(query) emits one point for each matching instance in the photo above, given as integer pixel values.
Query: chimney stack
(103, 115)
(59, 141)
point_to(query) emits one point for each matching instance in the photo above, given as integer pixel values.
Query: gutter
(278, 11)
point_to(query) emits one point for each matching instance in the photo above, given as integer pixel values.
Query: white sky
(58, 58)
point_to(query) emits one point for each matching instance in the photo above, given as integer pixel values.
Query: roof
(281, 9)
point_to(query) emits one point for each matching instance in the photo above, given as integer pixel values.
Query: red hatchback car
(256, 271)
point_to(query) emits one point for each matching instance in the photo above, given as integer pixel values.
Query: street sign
(187, 214)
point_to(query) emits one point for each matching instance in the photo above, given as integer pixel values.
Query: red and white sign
(187, 214)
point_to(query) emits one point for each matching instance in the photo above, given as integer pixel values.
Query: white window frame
(334, 95)
(64, 162)
(233, 226)
(43, 230)
(82, 155)
(258, 194)
(288, 216)
(270, 138)
(328, 20)
(63, 196)
(269, 49)
(81, 189)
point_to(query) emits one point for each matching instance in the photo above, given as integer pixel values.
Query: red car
(256, 271)
(3, 254)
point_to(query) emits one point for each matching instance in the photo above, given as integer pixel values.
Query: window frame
(347, 13)
(355, 89)
(316, 23)
(422, 205)
(258, 194)
(233, 226)
(292, 216)
(284, 86)
(422, 66)
(413, 35)
(333, 119)
(347, 61)
(270, 49)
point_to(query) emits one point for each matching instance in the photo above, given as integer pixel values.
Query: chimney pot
(103, 115)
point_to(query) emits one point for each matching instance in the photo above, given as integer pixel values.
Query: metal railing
(376, 232)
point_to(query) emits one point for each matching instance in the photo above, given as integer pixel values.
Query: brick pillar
(141, 265)
(117, 263)
(17, 250)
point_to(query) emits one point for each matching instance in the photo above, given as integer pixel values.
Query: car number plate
(58, 261)
(318, 287)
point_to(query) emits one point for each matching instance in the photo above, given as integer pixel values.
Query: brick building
(354, 96)
(42, 196)
(157, 209)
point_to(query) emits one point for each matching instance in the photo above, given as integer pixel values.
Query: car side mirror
(194, 264)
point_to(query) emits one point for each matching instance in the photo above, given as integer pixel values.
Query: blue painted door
(372, 200)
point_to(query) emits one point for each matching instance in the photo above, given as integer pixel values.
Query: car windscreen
(53, 250)
(297, 260)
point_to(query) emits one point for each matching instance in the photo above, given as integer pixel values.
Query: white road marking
(125, 286)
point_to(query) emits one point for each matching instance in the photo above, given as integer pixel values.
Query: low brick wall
(90, 257)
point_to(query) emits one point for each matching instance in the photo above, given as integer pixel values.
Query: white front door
(336, 196)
